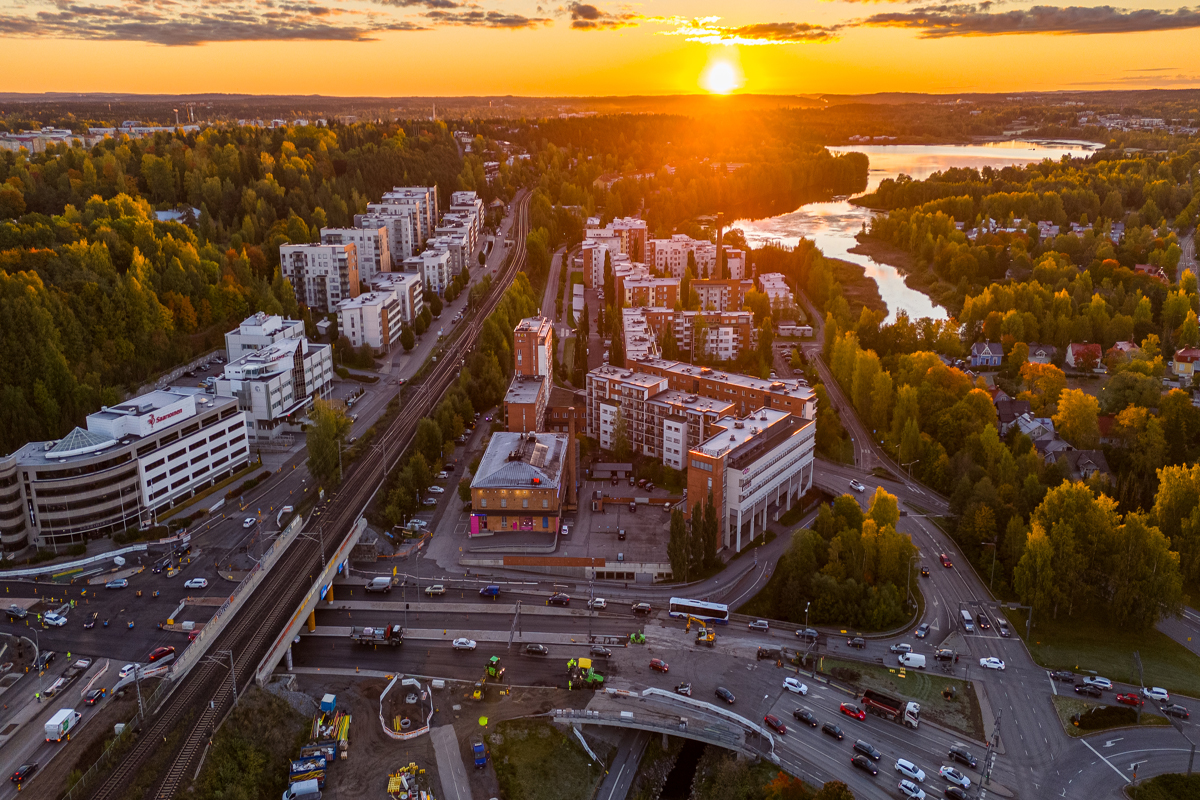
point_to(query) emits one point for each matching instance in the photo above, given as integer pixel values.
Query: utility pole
(989, 756)
(516, 625)
(1137, 661)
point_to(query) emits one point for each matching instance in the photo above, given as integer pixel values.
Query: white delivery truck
(63, 721)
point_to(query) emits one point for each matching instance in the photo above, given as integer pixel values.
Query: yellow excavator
(705, 636)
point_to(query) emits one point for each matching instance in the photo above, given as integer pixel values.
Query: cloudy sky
(461, 47)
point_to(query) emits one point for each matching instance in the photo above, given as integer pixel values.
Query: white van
(303, 790)
(379, 585)
(967, 620)
(912, 660)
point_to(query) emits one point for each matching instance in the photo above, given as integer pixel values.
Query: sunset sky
(492, 47)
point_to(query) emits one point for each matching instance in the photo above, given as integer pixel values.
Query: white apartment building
(453, 245)
(735, 260)
(373, 318)
(276, 384)
(640, 341)
(322, 275)
(401, 225)
(409, 289)
(670, 256)
(433, 266)
(372, 245)
(422, 199)
(591, 258)
(470, 204)
(259, 330)
(774, 286)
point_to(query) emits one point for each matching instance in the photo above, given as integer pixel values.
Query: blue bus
(700, 609)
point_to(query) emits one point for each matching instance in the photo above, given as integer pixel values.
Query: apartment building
(423, 200)
(259, 330)
(277, 384)
(744, 392)
(372, 319)
(722, 335)
(651, 292)
(533, 347)
(717, 294)
(641, 343)
(434, 268)
(372, 245)
(748, 464)
(525, 481)
(525, 403)
(774, 285)
(626, 236)
(400, 222)
(409, 288)
(322, 275)
(670, 256)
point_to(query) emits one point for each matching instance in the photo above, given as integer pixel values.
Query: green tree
(407, 339)
(428, 441)
(620, 438)
(464, 490)
(327, 429)
(678, 547)
(419, 474)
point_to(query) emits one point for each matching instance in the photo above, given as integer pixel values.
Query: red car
(161, 652)
(852, 711)
(1130, 699)
(946, 562)
(658, 665)
(775, 724)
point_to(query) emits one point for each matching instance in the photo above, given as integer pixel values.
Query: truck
(61, 724)
(392, 635)
(908, 714)
(308, 769)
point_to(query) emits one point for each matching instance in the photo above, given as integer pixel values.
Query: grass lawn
(1068, 707)
(960, 713)
(1086, 644)
(534, 760)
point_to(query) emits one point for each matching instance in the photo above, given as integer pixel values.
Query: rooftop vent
(738, 425)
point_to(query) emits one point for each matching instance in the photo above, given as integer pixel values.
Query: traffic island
(1081, 718)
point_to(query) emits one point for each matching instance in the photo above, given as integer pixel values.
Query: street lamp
(909, 466)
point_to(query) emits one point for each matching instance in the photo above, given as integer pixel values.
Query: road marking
(1053, 687)
(1111, 742)
(1106, 761)
(617, 782)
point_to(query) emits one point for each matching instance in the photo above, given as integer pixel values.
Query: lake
(834, 225)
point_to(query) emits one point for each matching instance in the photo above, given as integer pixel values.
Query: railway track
(209, 687)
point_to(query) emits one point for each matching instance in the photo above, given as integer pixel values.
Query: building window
(525, 503)
(483, 502)
(504, 502)
(545, 504)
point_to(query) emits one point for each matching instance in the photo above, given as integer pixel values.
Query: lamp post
(908, 466)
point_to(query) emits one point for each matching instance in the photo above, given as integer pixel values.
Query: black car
(94, 696)
(23, 772)
(864, 763)
(924, 572)
(857, 641)
(641, 608)
(600, 652)
(559, 599)
(1063, 675)
(725, 695)
(1088, 689)
(537, 650)
(805, 716)
(954, 793)
(807, 634)
(90, 622)
(984, 623)
(1176, 710)
(867, 750)
(962, 755)
(14, 612)
(44, 658)
(160, 565)
(832, 730)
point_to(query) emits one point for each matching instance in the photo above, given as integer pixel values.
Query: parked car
(160, 652)
(955, 777)
(117, 583)
(1063, 675)
(658, 665)
(774, 723)
(864, 763)
(794, 685)
(922, 630)
(991, 662)
(537, 650)
(443, 475)
(463, 643)
(832, 730)
(56, 620)
(725, 695)
(805, 716)
(15, 612)
(867, 749)
(430, 501)
(684, 689)
(437, 490)
(1088, 689)
(196, 583)
(857, 641)
(910, 770)
(851, 710)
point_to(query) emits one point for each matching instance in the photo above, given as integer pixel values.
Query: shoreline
(884, 253)
(859, 290)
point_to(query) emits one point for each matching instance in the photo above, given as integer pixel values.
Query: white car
(794, 685)
(437, 490)
(418, 523)
(1156, 694)
(196, 583)
(598, 603)
(954, 776)
(1098, 682)
(565, 532)
(463, 643)
(858, 487)
(57, 620)
(991, 662)
(441, 476)
(127, 670)
(910, 770)
(910, 789)
(431, 501)
(249, 522)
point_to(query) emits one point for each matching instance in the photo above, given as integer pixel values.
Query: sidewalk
(451, 769)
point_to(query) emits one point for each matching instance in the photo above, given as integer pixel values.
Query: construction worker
(68, 655)
(37, 696)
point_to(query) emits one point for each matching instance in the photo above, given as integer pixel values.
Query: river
(834, 225)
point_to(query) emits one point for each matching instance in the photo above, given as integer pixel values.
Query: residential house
(1041, 431)
(1042, 353)
(1008, 411)
(1151, 270)
(1183, 365)
(986, 354)
(1082, 464)
(1083, 356)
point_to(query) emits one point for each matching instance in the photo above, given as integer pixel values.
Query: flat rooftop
(740, 432)
(524, 390)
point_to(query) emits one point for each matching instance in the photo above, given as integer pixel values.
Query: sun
(721, 77)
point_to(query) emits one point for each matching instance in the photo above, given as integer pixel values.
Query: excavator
(706, 636)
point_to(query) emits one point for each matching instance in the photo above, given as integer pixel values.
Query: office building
(525, 481)
(322, 275)
(409, 289)
(276, 385)
(259, 330)
(372, 319)
(371, 244)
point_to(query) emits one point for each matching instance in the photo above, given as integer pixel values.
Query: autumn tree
(327, 429)
(1077, 419)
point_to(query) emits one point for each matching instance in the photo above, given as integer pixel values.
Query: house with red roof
(1083, 356)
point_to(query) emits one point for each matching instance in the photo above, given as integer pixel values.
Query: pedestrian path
(451, 769)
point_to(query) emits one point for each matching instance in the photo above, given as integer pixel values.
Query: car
(57, 620)
(1156, 694)
(1002, 626)
(924, 572)
(1129, 699)
(249, 522)
(867, 749)
(922, 630)
(436, 590)
(955, 777)
(160, 565)
(808, 634)
(960, 753)
(93, 696)
(759, 625)
(463, 643)
(1088, 689)
(910, 770)
(559, 599)
(565, 531)
(117, 583)
(479, 751)
(430, 501)
(90, 622)
(864, 763)
(1176, 710)
(632, 507)
(537, 650)
(658, 665)
(443, 475)
(851, 710)
(160, 652)
(684, 689)
(127, 670)
(805, 716)
(830, 729)
(599, 651)
(901, 648)
(794, 685)
(857, 641)
(911, 790)
(991, 662)
(775, 723)
(954, 793)
(437, 490)
(858, 487)
(621, 534)
(945, 559)
(23, 772)
(984, 623)
(196, 583)
(598, 603)
(725, 695)
(16, 612)
(1063, 675)
(44, 658)
(641, 608)
(419, 523)
(1097, 681)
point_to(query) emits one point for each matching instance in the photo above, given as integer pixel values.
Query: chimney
(572, 502)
